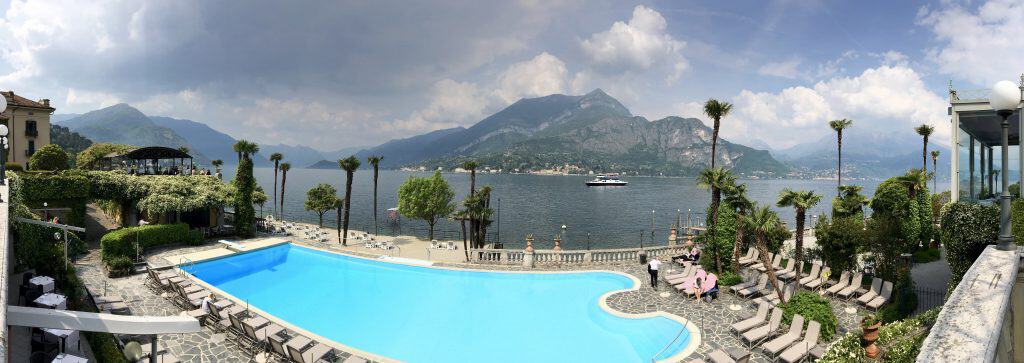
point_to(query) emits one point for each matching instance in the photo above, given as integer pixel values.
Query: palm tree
(801, 200)
(462, 215)
(839, 126)
(924, 130)
(935, 169)
(216, 164)
(276, 158)
(285, 167)
(916, 180)
(349, 165)
(715, 179)
(474, 225)
(245, 148)
(375, 161)
(736, 198)
(716, 110)
(761, 222)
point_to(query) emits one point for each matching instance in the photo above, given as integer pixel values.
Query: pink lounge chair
(691, 282)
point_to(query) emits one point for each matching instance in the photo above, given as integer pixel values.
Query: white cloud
(882, 98)
(785, 69)
(90, 99)
(639, 45)
(543, 75)
(982, 45)
(453, 103)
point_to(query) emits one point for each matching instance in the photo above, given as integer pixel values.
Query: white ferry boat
(607, 180)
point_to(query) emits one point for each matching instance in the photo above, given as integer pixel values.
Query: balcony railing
(31, 132)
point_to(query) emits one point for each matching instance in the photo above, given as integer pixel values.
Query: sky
(340, 74)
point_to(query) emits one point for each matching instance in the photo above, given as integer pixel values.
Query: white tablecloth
(46, 282)
(53, 301)
(68, 358)
(70, 338)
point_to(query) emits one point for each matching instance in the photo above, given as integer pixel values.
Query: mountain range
(591, 132)
(865, 154)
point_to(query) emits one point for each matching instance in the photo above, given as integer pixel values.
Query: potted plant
(870, 325)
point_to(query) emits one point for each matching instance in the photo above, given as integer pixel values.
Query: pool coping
(694, 332)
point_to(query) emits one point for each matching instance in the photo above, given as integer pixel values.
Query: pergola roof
(986, 126)
(155, 152)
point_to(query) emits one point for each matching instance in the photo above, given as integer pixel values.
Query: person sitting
(691, 255)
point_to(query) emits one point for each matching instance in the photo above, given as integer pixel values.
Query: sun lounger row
(786, 346)
(252, 332)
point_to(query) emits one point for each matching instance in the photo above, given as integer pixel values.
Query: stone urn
(870, 336)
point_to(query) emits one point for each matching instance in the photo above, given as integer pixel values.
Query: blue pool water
(420, 314)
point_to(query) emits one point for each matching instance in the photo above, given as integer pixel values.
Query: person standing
(652, 269)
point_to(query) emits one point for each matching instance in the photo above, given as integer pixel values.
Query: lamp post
(565, 237)
(1004, 99)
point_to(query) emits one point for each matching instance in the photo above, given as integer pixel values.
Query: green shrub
(924, 203)
(927, 254)
(966, 229)
(121, 242)
(899, 341)
(1017, 220)
(903, 303)
(811, 307)
(120, 265)
(728, 278)
(104, 347)
(35, 247)
(721, 242)
(13, 167)
(50, 157)
(892, 201)
(91, 157)
(839, 240)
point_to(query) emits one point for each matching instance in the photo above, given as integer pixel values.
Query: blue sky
(339, 74)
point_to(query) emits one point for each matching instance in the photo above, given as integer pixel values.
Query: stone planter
(869, 338)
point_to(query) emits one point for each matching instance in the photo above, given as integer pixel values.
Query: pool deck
(712, 319)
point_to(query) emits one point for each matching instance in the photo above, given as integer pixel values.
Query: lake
(610, 217)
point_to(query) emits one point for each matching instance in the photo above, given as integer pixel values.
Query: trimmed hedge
(839, 240)
(121, 242)
(966, 229)
(904, 301)
(728, 278)
(811, 307)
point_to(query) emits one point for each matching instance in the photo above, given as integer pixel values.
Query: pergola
(147, 160)
(977, 143)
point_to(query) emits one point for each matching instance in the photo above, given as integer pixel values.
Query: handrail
(669, 345)
(191, 264)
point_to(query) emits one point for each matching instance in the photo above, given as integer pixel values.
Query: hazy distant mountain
(61, 117)
(298, 156)
(207, 141)
(593, 131)
(341, 153)
(866, 154)
(123, 124)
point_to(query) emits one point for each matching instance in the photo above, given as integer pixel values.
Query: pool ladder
(183, 260)
(669, 345)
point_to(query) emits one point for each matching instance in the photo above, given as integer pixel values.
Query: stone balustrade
(602, 256)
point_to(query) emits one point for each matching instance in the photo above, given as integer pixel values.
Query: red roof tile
(19, 101)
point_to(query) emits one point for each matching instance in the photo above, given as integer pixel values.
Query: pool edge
(691, 347)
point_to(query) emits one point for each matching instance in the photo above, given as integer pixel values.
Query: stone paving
(714, 319)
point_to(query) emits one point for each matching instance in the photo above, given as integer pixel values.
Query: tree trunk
(338, 222)
(284, 178)
(465, 245)
(376, 229)
(275, 188)
(924, 155)
(430, 233)
(935, 178)
(714, 141)
(762, 248)
(348, 203)
(322, 219)
(739, 241)
(839, 169)
(800, 216)
(716, 200)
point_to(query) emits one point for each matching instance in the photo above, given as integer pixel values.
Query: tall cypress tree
(245, 213)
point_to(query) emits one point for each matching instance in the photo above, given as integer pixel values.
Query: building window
(31, 148)
(30, 128)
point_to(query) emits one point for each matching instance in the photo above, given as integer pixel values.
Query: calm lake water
(614, 217)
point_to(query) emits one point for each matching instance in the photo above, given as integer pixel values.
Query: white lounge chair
(883, 297)
(757, 319)
(777, 345)
(876, 287)
(852, 288)
(759, 334)
(815, 273)
(799, 350)
(844, 280)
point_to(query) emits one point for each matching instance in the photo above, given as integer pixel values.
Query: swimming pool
(425, 314)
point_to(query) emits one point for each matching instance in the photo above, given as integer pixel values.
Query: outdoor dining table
(52, 301)
(68, 358)
(45, 283)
